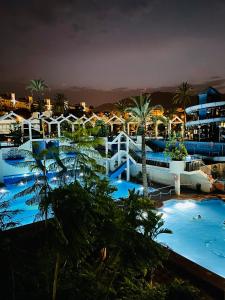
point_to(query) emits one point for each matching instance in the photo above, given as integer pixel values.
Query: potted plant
(177, 153)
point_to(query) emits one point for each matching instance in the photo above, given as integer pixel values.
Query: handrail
(164, 187)
(134, 155)
(160, 194)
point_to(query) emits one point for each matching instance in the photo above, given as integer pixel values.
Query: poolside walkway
(185, 195)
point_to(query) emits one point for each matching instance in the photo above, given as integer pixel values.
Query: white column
(59, 131)
(119, 154)
(118, 148)
(72, 127)
(156, 129)
(128, 128)
(106, 155)
(128, 159)
(177, 183)
(30, 131)
(176, 168)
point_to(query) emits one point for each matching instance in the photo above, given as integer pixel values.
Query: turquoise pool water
(28, 213)
(200, 240)
(123, 188)
(160, 156)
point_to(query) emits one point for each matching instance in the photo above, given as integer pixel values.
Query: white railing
(160, 194)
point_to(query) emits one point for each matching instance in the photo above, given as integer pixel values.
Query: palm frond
(26, 191)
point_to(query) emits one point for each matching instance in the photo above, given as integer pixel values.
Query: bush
(175, 151)
(180, 289)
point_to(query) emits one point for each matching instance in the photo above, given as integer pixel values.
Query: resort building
(54, 125)
(124, 149)
(9, 102)
(206, 120)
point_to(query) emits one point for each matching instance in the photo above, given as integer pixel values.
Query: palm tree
(79, 154)
(60, 103)
(39, 190)
(183, 97)
(121, 105)
(109, 240)
(163, 120)
(38, 87)
(7, 214)
(141, 112)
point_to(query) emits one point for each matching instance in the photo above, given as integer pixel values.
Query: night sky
(100, 50)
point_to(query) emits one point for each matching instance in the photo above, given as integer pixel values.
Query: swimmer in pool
(199, 218)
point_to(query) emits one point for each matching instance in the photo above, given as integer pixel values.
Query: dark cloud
(78, 27)
(217, 83)
(108, 44)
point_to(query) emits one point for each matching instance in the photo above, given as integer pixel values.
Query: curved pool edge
(208, 240)
(198, 272)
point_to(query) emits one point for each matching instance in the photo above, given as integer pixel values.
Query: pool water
(29, 212)
(200, 240)
(123, 188)
(161, 156)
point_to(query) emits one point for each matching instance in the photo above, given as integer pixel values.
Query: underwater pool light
(185, 205)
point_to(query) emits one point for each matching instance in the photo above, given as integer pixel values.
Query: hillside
(162, 98)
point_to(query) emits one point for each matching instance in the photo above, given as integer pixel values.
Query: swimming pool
(161, 156)
(29, 212)
(123, 188)
(200, 240)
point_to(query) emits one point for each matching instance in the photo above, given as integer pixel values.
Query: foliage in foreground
(93, 248)
(114, 239)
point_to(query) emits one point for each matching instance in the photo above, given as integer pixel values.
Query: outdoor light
(21, 183)
(25, 175)
(167, 210)
(81, 174)
(54, 178)
(185, 205)
(119, 181)
(3, 191)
